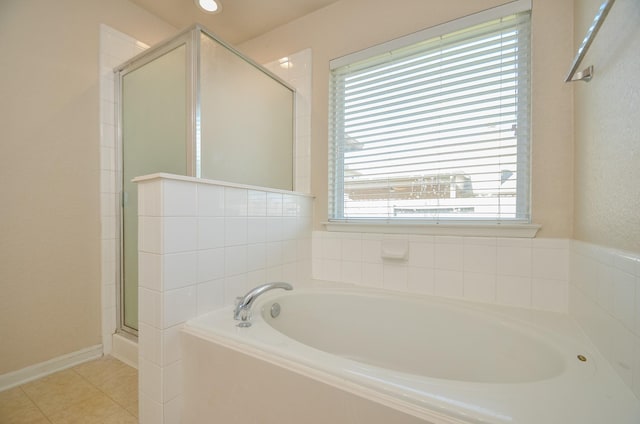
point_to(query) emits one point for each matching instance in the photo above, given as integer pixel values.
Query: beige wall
(607, 143)
(352, 25)
(50, 172)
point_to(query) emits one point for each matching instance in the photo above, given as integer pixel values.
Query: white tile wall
(486, 269)
(604, 298)
(201, 245)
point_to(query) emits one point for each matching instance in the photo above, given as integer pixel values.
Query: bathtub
(366, 356)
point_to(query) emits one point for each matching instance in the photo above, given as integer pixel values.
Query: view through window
(437, 130)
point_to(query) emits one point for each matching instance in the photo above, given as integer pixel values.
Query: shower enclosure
(195, 106)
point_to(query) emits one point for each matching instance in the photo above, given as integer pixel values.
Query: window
(435, 130)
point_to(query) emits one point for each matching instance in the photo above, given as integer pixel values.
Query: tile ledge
(467, 230)
(174, 177)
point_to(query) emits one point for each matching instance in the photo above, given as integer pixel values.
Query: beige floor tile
(128, 400)
(121, 418)
(122, 388)
(13, 397)
(132, 406)
(17, 408)
(104, 391)
(104, 370)
(59, 391)
(116, 379)
(95, 410)
(121, 382)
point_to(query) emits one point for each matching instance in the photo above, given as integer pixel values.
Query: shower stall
(195, 106)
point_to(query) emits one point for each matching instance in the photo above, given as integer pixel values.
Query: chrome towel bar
(587, 74)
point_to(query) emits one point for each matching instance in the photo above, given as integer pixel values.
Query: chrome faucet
(242, 311)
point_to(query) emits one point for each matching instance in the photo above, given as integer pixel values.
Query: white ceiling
(239, 20)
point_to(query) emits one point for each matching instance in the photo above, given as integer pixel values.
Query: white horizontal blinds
(437, 130)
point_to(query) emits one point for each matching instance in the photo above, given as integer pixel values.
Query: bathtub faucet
(242, 311)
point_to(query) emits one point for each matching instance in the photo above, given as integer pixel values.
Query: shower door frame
(190, 39)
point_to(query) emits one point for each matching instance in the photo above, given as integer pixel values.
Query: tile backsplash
(532, 273)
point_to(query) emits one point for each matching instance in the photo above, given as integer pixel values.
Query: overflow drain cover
(275, 310)
(582, 358)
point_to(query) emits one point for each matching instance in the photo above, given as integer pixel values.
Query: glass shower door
(154, 128)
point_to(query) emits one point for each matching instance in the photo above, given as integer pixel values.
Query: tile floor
(103, 391)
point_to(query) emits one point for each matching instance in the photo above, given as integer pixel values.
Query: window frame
(507, 227)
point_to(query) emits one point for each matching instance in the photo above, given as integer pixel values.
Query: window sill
(458, 229)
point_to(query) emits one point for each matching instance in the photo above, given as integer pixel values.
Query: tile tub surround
(529, 273)
(201, 244)
(604, 297)
(598, 286)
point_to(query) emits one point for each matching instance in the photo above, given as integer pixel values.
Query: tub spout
(242, 311)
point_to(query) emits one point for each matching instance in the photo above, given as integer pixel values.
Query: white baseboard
(33, 372)
(125, 350)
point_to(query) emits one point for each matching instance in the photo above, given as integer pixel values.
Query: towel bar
(587, 73)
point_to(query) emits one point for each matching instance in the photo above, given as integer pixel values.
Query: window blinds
(436, 131)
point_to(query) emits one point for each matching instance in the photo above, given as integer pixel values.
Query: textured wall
(607, 138)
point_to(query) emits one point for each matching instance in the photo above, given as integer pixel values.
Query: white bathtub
(430, 359)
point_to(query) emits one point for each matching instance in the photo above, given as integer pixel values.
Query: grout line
(107, 394)
(91, 384)
(46, 417)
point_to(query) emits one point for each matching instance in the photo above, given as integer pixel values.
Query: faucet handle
(244, 315)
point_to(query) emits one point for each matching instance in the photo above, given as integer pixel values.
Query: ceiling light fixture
(208, 6)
